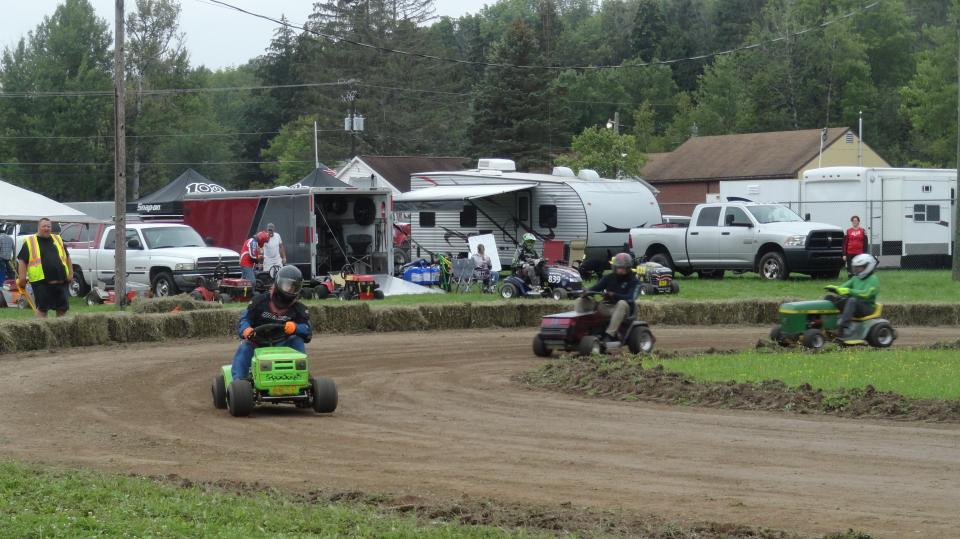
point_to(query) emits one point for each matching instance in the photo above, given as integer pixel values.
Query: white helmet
(867, 262)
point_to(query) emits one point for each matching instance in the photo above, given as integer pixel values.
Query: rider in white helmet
(526, 259)
(858, 296)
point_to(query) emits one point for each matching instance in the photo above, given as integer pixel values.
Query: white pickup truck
(769, 239)
(168, 257)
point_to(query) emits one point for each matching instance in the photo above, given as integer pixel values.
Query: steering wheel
(220, 272)
(347, 269)
(274, 269)
(268, 335)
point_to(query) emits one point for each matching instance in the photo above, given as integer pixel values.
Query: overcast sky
(215, 36)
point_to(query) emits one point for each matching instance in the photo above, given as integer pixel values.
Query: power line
(380, 49)
(153, 135)
(148, 163)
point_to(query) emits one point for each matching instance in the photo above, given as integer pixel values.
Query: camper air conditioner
(588, 174)
(563, 172)
(503, 165)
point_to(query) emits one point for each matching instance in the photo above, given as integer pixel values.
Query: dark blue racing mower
(556, 281)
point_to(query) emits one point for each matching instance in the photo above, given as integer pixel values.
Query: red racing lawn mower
(221, 288)
(583, 332)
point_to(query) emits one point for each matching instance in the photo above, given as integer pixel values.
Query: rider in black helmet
(278, 306)
(619, 289)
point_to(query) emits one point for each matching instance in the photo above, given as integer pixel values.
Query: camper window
(428, 219)
(468, 217)
(548, 216)
(926, 213)
(709, 216)
(523, 208)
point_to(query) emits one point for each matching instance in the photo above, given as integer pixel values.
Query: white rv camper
(449, 207)
(908, 212)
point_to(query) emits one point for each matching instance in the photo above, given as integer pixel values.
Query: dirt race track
(437, 416)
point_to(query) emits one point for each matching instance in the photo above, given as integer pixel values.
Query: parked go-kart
(221, 288)
(278, 374)
(812, 323)
(583, 332)
(556, 281)
(656, 279)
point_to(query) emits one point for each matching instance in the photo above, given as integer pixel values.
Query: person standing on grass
(251, 255)
(45, 263)
(854, 243)
(7, 247)
(273, 252)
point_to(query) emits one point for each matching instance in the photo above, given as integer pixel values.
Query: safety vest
(35, 264)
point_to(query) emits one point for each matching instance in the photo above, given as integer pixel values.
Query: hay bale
(211, 323)
(29, 335)
(168, 304)
(7, 343)
(62, 331)
(90, 330)
(494, 315)
(344, 318)
(922, 314)
(529, 313)
(445, 316)
(398, 319)
(176, 326)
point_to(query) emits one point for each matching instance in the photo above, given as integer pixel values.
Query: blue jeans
(244, 355)
(249, 274)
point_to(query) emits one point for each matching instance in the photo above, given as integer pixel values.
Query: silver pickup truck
(769, 239)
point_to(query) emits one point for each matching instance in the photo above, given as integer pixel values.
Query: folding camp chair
(577, 250)
(462, 276)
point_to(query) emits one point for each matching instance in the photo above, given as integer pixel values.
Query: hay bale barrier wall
(153, 321)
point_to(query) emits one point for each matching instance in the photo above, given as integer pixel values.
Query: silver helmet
(863, 265)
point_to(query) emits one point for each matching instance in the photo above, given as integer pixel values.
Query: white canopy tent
(19, 204)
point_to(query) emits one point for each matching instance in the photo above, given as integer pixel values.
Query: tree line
(796, 64)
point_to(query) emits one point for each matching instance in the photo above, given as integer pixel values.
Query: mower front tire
(509, 291)
(324, 395)
(640, 341)
(93, 299)
(225, 298)
(776, 335)
(240, 398)
(881, 335)
(674, 287)
(559, 294)
(321, 292)
(813, 339)
(540, 348)
(647, 290)
(588, 346)
(196, 296)
(218, 390)
(378, 294)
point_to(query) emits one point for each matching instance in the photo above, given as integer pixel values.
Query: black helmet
(622, 260)
(286, 286)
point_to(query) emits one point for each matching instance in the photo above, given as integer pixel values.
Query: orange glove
(247, 333)
(290, 328)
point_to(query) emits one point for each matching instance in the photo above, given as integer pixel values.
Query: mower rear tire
(22, 303)
(588, 346)
(240, 398)
(559, 294)
(640, 341)
(881, 335)
(321, 292)
(540, 348)
(509, 291)
(324, 395)
(813, 339)
(378, 294)
(674, 287)
(93, 299)
(218, 390)
(225, 298)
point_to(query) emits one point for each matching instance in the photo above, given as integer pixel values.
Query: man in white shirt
(273, 252)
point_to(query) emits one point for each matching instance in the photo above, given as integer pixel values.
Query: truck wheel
(773, 267)
(164, 285)
(240, 398)
(540, 348)
(78, 285)
(218, 390)
(813, 339)
(324, 395)
(588, 346)
(674, 287)
(640, 341)
(881, 335)
(508, 291)
(662, 259)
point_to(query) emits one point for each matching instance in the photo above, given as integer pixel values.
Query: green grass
(44, 502)
(913, 372)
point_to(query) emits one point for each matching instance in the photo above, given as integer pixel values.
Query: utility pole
(119, 159)
(316, 145)
(614, 123)
(956, 190)
(352, 123)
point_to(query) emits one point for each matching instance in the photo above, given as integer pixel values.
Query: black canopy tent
(168, 200)
(319, 177)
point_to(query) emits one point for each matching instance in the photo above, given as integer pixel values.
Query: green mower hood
(819, 306)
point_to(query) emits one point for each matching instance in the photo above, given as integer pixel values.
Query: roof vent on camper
(503, 165)
(563, 172)
(588, 174)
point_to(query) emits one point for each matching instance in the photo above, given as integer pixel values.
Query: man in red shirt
(251, 254)
(854, 242)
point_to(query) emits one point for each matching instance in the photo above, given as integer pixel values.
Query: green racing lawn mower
(278, 374)
(812, 323)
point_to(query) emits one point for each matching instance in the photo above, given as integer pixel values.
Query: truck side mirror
(209, 241)
(806, 217)
(729, 219)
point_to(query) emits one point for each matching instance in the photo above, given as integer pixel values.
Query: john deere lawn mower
(812, 323)
(278, 375)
